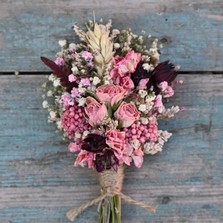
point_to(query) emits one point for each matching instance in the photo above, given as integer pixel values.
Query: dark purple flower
(106, 161)
(164, 71)
(94, 143)
(140, 73)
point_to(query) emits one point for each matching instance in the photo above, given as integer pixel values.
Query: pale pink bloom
(126, 65)
(158, 104)
(66, 100)
(126, 156)
(143, 83)
(59, 61)
(132, 59)
(115, 139)
(72, 78)
(74, 147)
(87, 55)
(85, 158)
(163, 86)
(137, 157)
(126, 83)
(95, 111)
(169, 92)
(85, 82)
(110, 93)
(127, 114)
(75, 92)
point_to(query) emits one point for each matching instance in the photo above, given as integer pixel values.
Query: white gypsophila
(144, 120)
(44, 85)
(49, 93)
(96, 80)
(143, 93)
(135, 143)
(56, 82)
(169, 112)
(150, 98)
(77, 135)
(142, 107)
(51, 77)
(152, 148)
(116, 45)
(62, 43)
(59, 125)
(115, 32)
(45, 104)
(52, 114)
(85, 133)
(81, 101)
(72, 46)
(146, 66)
(74, 69)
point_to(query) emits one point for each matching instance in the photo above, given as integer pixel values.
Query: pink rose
(115, 139)
(126, 65)
(95, 111)
(126, 83)
(85, 158)
(132, 59)
(110, 93)
(127, 114)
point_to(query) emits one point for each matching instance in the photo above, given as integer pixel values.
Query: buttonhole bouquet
(106, 93)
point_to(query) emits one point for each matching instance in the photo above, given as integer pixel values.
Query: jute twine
(111, 183)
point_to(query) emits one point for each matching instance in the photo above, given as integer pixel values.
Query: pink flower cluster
(142, 132)
(123, 67)
(73, 121)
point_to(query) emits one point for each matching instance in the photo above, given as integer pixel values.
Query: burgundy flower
(164, 71)
(140, 73)
(61, 72)
(94, 143)
(106, 161)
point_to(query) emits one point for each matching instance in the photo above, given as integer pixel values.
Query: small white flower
(74, 69)
(77, 135)
(62, 43)
(56, 83)
(85, 133)
(59, 125)
(116, 45)
(49, 93)
(144, 121)
(135, 143)
(146, 66)
(142, 108)
(115, 32)
(81, 101)
(51, 77)
(52, 114)
(45, 104)
(81, 90)
(72, 46)
(96, 80)
(142, 93)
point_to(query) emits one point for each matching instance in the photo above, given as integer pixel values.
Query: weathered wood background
(37, 181)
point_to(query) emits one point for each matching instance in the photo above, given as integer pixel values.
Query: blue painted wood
(192, 31)
(39, 184)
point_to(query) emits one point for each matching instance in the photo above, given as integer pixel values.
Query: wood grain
(191, 31)
(39, 184)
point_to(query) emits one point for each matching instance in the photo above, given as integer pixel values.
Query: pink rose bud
(110, 93)
(95, 111)
(127, 114)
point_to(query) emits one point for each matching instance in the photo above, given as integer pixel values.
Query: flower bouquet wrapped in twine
(106, 94)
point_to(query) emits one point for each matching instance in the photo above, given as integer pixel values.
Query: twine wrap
(111, 185)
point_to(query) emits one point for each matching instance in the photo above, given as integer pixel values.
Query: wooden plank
(192, 31)
(38, 183)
